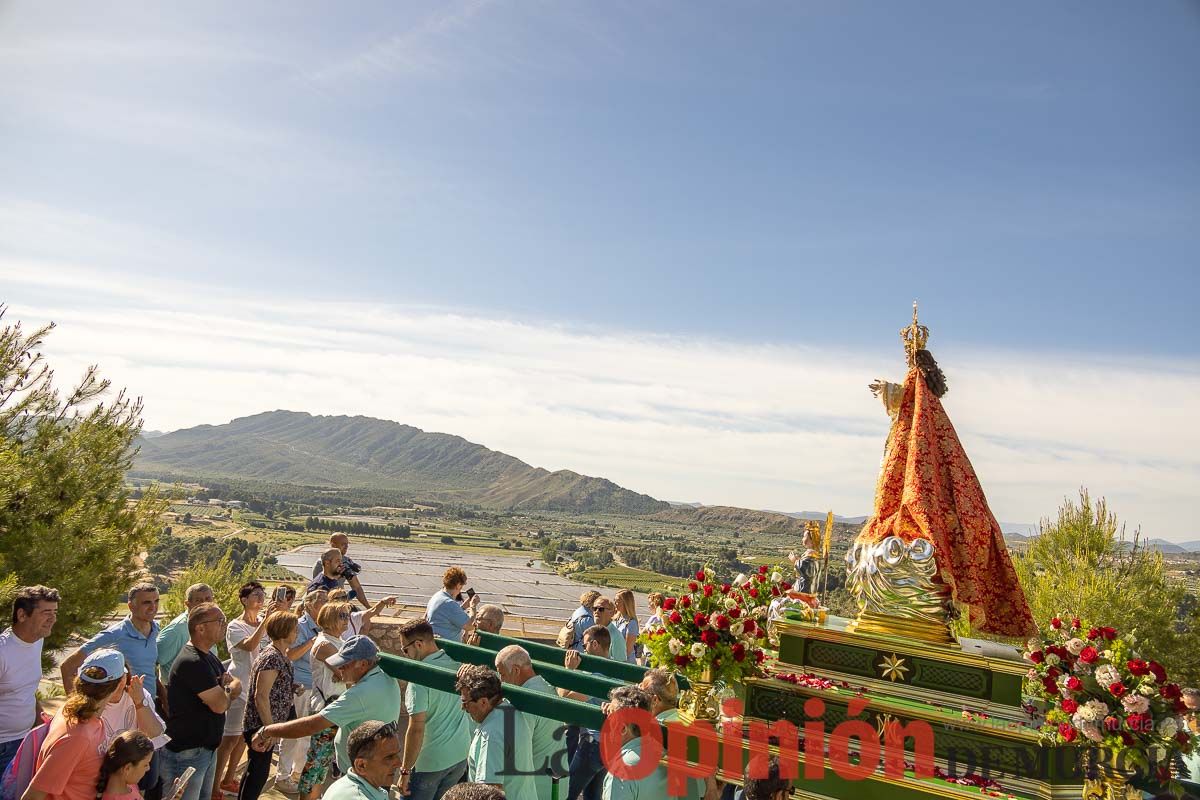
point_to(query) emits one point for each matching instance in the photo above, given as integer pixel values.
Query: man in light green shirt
(174, 635)
(604, 610)
(371, 695)
(654, 785)
(374, 752)
(516, 669)
(439, 731)
(501, 751)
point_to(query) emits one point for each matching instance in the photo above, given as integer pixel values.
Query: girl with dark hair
(69, 762)
(126, 762)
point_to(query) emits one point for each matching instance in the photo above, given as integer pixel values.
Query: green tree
(64, 507)
(1083, 564)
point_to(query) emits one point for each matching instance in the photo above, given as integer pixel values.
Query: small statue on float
(808, 563)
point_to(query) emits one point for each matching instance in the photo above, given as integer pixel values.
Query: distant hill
(739, 519)
(364, 452)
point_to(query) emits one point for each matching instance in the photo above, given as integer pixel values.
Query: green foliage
(357, 528)
(170, 553)
(1083, 565)
(63, 498)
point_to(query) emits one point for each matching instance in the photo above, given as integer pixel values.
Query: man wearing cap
(200, 691)
(174, 635)
(371, 695)
(375, 756)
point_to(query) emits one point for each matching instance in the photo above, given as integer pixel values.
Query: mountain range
(364, 452)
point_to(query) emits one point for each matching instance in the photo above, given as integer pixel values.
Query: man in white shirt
(35, 610)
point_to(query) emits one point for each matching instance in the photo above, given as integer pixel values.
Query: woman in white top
(334, 619)
(244, 637)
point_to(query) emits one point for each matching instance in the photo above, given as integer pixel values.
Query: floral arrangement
(717, 626)
(1098, 689)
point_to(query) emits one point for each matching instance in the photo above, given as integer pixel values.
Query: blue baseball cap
(356, 648)
(102, 666)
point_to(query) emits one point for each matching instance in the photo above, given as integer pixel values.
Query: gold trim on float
(881, 704)
(920, 694)
(898, 644)
(919, 629)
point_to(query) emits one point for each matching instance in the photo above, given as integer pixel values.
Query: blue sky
(779, 178)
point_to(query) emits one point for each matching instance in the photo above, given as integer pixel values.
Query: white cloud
(761, 426)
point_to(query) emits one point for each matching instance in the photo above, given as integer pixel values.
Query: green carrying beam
(575, 680)
(570, 712)
(540, 651)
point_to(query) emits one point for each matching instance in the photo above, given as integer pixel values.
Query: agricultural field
(639, 580)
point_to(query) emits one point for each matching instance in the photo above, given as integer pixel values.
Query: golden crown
(914, 337)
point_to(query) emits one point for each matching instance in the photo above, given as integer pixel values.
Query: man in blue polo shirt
(136, 637)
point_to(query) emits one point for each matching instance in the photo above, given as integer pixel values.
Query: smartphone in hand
(180, 785)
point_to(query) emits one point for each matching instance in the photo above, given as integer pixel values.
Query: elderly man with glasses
(371, 695)
(374, 751)
(438, 735)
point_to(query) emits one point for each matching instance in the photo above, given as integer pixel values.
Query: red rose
(1117, 689)
(1067, 732)
(1037, 656)
(735, 612)
(1056, 623)
(1069, 705)
(668, 603)
(739, 652)
(1182, 737)
(1088, 655)
(699, 574)
(1112, 723)
(754, 592)
(1049, 685)
(1053, 672)
(708, 637)
(749, 627)
(764, 569)
(775, 591)
(1171, 691)
(726, 588)
(1108, 633)
(685, 601)
(721, 621)
(1156, 669)
(1127, 738)
(682, 661)
(746, 585)
(1093, 633)
(675, 618)
(759, 656)
(1138, 723)
(1138, 667)
(1075, 623)
(1178, 706)
(1074, 684)
(693, 586)
(708, 590)
(701, 619)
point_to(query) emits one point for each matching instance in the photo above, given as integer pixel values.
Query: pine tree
(64, 517)
(1083, 564)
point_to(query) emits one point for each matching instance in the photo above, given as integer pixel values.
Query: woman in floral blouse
(272, 690)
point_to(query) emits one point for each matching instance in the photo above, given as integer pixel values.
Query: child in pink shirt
(125, 763)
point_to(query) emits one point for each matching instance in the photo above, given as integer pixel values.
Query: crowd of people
(155, 713)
